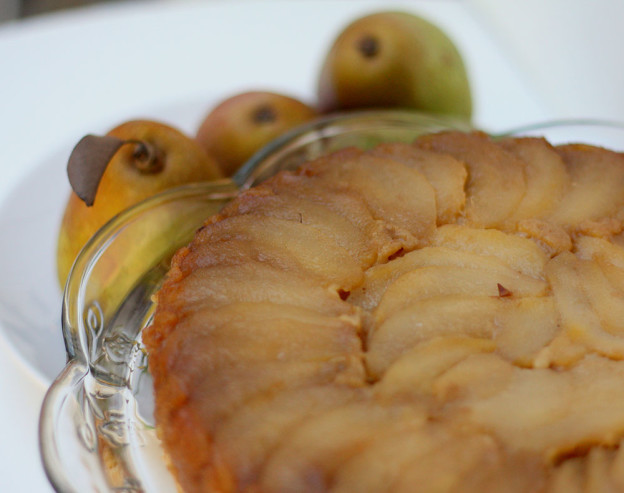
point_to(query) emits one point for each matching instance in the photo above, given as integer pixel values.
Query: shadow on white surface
(30, 297)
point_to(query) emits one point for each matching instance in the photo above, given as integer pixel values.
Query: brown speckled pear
(394, 59)
(240, 125)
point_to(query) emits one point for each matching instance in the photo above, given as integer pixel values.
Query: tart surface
(447, 314)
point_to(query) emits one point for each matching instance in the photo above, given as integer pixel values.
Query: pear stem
(146, 158)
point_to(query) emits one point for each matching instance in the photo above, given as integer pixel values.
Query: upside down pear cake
(443, 316)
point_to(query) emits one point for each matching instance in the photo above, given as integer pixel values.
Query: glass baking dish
(96, 426)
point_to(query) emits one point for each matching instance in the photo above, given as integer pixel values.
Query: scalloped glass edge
(96, 431)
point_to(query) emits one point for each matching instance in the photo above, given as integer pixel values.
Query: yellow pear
(394, 59)
(108, 174)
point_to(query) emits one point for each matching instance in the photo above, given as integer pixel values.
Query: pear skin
(394, 59)
(127, 180)
(240, 125)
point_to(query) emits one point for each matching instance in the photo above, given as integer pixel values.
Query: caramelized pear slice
(598, 476)
(474, 316)
(521, 254)
(379, 277)
(379, 465)
(304, 463)
(546, 176)
(417, 369)
(601, 470)
(347, 203)
(287, 244)
(441, 456)
(598, 176)
(262, 201)
(568, 477)
(428, 282)
(470, 463)
(496, 182)
(410, 208)
(253, 431)
(258, 332)
(446, 175)
(600, 249)
(218, 285)
(607, 303)
(261, 346)
(478, 376)
(579, 320)
(526, 329)
(609, 256)
(547, 411)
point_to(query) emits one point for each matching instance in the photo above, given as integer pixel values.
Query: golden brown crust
(375, 321)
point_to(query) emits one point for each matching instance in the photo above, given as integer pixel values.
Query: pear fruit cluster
(385, 59)
(382, 60)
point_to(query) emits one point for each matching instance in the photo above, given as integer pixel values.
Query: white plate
(30, 295)
(89, 70)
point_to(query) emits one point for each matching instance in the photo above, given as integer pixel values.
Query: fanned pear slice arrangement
(437, 316)
(384, 320)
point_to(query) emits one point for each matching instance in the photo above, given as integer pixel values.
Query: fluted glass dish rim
(92, 436)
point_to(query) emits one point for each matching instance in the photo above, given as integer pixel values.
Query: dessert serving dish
(97, 414)
(96, 429)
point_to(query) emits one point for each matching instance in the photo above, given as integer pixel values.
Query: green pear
(394, 59)
(241, 124)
